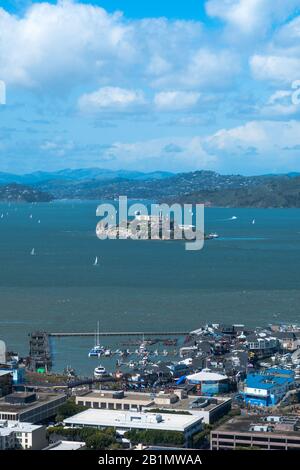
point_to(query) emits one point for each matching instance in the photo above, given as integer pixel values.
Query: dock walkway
(120, 333)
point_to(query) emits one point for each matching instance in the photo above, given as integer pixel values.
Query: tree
(100, 440)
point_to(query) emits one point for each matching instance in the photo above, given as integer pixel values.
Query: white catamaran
(97, 350)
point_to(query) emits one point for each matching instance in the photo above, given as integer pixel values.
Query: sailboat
(32, 252)
(96, 262)
(253, 221)
(97, 350)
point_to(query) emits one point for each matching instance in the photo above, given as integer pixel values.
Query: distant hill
(81, 174)
(20, 193)
(180, 187)
(199, 186)
(281, 193)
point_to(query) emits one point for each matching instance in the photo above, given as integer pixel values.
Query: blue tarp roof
(266, 381)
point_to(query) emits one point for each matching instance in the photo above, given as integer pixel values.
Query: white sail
(96, 262)
(32, 252)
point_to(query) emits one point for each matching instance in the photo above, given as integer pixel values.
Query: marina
(119, 333)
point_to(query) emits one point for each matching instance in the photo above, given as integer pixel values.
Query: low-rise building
(66, 445)
(267, 433)
(126, 401)
(210, 409)
(268, 388)
(123, 421)
(16, 435)
(30, 407)
(6, 382)
(209, 383)
(262, 345)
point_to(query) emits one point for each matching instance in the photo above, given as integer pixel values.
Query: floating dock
(120, 333)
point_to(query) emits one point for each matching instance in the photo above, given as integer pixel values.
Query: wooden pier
(120, 333)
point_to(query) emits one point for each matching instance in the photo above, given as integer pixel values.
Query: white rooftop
(66, 445)
(130, 419)
(8, 426)
(5, 372)
(206, 376)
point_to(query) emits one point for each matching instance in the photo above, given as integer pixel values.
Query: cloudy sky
(162, 85)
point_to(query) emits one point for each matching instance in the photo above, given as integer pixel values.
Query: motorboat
(99, 371)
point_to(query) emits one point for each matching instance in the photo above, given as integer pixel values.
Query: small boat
(253, 222)
(97, 350)
(132, 365)
(96, 262)
(32, 252)
(99, 371)
(212, 236)
(107, 352)
(234, 217)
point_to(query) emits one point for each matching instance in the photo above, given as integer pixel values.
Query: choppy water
(250, 275)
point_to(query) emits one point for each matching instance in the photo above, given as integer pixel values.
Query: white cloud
(251, 16)
(258, 146)
(205, 69)
(61, 44)
(64, 46)
(275, 68)
(111, 98)
(176, 100)
(172, 154)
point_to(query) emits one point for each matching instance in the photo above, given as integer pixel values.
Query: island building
(267, 433)
(123, 421)
(16, 435)
(209, 409)
(268, 388)
(30, 407)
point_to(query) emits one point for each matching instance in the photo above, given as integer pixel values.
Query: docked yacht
(99, 371)
(97, 350)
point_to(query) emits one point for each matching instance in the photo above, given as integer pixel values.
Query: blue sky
(146, 86)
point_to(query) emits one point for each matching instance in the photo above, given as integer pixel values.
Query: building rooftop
(265, 381)
(144, 398)
(5, 372)
(17, 426)
(65, 445)
(129, 419)
(207, 376)
(242, 424)
(42, 397)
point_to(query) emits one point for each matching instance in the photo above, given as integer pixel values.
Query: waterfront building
(16, 435)
(6, 382)
(17, 373)
(268, 433)
(208, 408)
(268, 388)
(30, 407)
(262, 345)
(209, 383)
(123, 421)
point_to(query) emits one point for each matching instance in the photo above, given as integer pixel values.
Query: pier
(120, 333)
